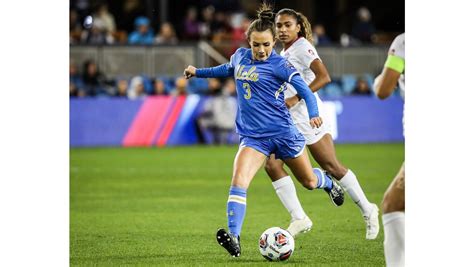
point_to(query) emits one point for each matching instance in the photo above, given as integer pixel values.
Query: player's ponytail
(305, 26)
(265, 21)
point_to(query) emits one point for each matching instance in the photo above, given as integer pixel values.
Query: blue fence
(107, 122)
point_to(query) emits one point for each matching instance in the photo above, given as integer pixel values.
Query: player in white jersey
(294, 31)
(393, 203)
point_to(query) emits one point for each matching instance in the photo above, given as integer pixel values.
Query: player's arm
(322, 75)
(221, 71)
(386, 82)
(305, 92)
(322, 78)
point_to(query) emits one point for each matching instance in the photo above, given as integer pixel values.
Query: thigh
(324, 153)
(246, 164)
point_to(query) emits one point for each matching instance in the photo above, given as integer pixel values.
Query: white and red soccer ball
(276, 244)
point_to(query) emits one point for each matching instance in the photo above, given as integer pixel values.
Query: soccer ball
(276, 244)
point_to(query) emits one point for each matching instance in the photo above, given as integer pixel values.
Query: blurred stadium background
(133, 205)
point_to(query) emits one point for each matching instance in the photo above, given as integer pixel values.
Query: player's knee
(309, 183)
(240, 180)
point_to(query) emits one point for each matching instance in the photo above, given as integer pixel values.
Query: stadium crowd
(95, 24)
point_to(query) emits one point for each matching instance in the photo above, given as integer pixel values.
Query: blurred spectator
(76, 85)
(205, 25)
(220, 23)
(82, 8)
(229, 87)
(181, 87)
(240, 25)
(191, 24)
(363, 29)
(214, 86)
(94, 80)
(97, 35)
(219, 114)
(137, 88)
(121, 89)
(107, 19)
(131, 9)
(159, 87)
(167, 34)
(74, 27)
(362, 88)
(143, 33)
(319, 35)
(220, 28)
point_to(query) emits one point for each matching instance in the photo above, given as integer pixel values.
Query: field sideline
(162, 206)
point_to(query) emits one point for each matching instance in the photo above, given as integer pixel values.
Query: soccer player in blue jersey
(263, 121)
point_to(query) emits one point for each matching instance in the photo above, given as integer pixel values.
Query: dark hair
(265, 21)
(301, 20)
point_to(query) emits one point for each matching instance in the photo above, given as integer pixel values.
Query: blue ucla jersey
(260, 85)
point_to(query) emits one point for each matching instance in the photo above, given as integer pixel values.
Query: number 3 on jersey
(248, 94)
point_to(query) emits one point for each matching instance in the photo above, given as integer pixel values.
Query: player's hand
(291, 101)
(316, 122)
(189, 72)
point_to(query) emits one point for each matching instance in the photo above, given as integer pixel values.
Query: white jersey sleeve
(306, 53)
(398, 46)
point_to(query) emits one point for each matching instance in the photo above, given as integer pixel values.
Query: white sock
(394, 243)
(350, 184)
(286, 191)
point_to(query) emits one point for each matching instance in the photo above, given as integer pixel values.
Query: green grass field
(162, 206)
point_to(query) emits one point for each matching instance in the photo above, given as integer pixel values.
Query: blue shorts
(283, 146)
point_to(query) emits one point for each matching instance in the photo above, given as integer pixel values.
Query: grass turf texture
(162, 206)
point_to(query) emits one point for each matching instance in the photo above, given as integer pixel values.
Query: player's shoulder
(399, 41)
(241, 51)
(398, 45)
(400, 37)
(303, 43)
(278, 60)
(302, 47)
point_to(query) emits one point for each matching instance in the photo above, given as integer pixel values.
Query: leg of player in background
(393, 218)
(246, 164)
(324, 152)
(286, 191)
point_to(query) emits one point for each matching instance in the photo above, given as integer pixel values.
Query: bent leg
(324, 153)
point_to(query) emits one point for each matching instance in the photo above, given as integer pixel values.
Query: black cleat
(230, 242)
(336, 194)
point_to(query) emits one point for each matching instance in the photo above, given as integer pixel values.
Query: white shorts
(313, 135)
